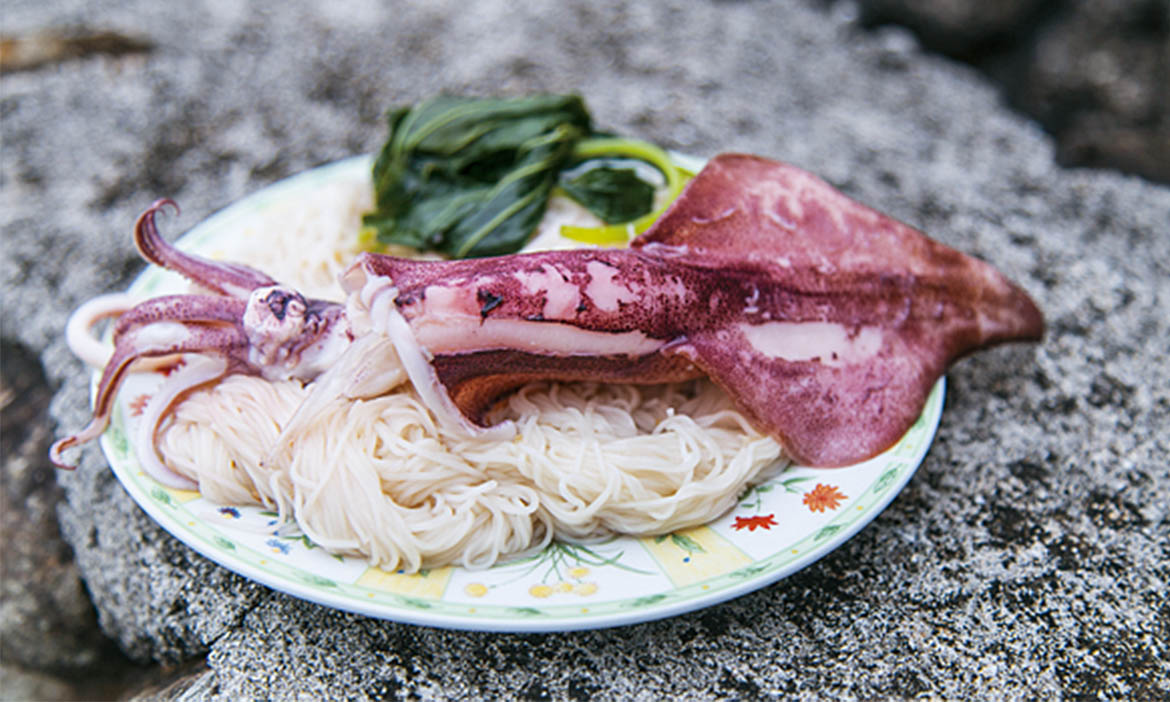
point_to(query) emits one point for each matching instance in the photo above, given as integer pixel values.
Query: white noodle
(381, 479)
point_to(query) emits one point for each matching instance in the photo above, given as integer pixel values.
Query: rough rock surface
(42, 603)
(49, 636)
(1030, 555)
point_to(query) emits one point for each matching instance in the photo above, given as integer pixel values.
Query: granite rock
(1029, 555)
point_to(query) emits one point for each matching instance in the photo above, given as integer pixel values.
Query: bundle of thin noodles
(379, 479)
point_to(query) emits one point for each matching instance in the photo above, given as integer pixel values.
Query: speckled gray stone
(1027, 558)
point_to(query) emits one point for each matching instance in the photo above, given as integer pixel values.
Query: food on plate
(470, 177)
(460, 411)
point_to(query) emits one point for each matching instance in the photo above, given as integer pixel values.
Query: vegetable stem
(603, 147)
(617, 147)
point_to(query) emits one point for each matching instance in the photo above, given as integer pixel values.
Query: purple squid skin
(933, 303)
(752, 251)
(219, 277)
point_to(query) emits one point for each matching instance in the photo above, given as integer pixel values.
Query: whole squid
(826, 321)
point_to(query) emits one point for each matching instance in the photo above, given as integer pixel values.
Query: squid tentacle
(185, 309)
(79, 329)
(202, 370)
(161, 339)
(230, 279)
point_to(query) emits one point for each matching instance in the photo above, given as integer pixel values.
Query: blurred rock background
(1094, 73)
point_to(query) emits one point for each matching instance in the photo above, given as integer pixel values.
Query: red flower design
(138, 405)
(823, 497)
(764, 521)
(167, 368)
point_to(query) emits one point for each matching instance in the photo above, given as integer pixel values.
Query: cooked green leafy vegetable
(613, 194)
(472, 177)
(617, 147)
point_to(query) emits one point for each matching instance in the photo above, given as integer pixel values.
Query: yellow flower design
(578, 572)
(540, 591)
(476, 589)
(585, 589)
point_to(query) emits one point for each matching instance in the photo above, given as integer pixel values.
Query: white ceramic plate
(775, 530)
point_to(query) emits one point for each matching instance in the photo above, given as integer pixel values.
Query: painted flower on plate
(760, 521)
(823, 497)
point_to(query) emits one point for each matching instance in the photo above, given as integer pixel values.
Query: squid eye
(282, 303)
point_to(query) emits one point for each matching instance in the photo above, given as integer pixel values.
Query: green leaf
(747, 571)
(162, 496)
(618, 147)
(787, 484)
(826, 532)
(686, 543)
(883, 483)
(647, 600)
(527, 611)
(317, 580)
(472, 177)
(613, 194)
(305, 541)
(119, 443)
(415, 602)
(224, 543)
